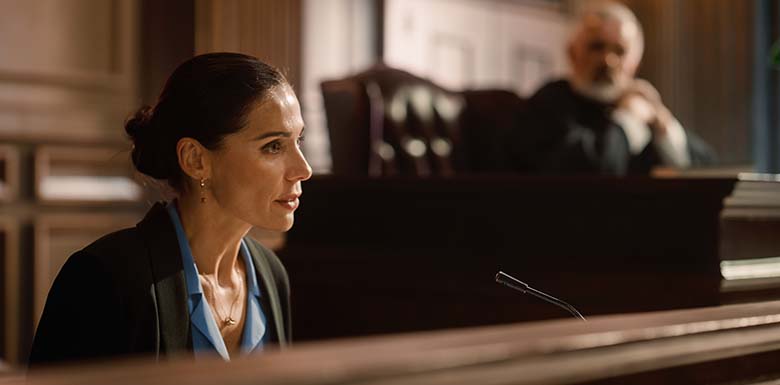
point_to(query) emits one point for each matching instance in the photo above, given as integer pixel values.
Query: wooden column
(267, 29)
(699, 54)
(164, 45)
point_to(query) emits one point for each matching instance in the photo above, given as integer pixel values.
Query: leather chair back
(386, 121)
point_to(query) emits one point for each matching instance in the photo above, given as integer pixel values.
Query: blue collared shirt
(206, 337)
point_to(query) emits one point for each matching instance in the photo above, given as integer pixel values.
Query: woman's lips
(290, 203)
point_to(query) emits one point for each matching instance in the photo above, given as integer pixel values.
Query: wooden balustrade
(735, 343)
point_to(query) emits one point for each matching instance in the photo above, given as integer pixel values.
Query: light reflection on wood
(568, 351)
(85, 175)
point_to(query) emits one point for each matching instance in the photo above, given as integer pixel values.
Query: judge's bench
(370, 256)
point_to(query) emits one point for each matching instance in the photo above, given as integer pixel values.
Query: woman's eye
(274, 147)
(299, 141)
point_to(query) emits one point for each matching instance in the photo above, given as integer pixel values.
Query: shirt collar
(191, 270)
(251, 274)
(254, 327)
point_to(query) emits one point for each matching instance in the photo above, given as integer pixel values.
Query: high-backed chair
(386, 121)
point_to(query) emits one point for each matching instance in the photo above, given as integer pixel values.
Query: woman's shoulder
(118, 242)
(115, 251)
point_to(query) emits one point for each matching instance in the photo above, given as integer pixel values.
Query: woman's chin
(283, 225)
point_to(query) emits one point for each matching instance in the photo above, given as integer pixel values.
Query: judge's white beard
(604, 92)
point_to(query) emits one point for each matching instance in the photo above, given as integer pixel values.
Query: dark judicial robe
(125, 294)
(563, 132)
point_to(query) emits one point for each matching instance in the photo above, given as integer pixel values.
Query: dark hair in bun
(136, 128)
(206, 98)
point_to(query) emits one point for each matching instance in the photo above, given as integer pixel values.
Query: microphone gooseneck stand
(510, 281)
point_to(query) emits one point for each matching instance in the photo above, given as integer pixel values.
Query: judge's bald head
(605, 49)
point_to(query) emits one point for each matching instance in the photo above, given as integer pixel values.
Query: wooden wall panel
(462, 44)
(67, 69)
(9, 173)
(57, 236)
(268, 29)
(85, 175)
(10, 305)
(164, 45)
(699, 55)
(60, 37)
(68, 78)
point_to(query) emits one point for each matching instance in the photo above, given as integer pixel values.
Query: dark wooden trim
(11, 301)
(167, 39)
(9, 173)
(698, 346)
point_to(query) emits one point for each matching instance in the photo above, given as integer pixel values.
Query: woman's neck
(214, 237)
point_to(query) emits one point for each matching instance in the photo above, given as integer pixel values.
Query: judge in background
(225, 134)
(601, 119)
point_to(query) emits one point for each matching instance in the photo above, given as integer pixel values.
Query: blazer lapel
(169, 285)
(255, 329)
(265, 274)
(205, 324)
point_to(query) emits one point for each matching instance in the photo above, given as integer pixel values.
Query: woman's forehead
(278, 110)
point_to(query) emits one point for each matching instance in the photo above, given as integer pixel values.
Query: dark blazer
(125, 294)
(563, 132)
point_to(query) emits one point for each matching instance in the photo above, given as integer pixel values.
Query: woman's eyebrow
(273, 133)
(285, 134)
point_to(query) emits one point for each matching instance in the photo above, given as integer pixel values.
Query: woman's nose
(299, 169)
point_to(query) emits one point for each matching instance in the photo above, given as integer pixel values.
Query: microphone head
(509, 281)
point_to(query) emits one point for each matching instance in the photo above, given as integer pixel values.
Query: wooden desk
(373, 256)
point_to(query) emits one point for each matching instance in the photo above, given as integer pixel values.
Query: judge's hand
(643, 101)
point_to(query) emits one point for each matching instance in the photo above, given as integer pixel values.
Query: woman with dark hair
(225, 134)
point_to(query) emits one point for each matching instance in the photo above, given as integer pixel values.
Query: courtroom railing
(735, 343)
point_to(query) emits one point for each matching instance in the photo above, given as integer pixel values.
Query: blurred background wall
(69, 75)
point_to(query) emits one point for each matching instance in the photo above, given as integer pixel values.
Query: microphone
(510, 281)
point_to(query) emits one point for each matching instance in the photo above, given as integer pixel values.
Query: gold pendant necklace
(226, 321)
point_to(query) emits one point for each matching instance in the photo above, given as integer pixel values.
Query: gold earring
(202, 190)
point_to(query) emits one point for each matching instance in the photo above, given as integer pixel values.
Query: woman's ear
(194, 159)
